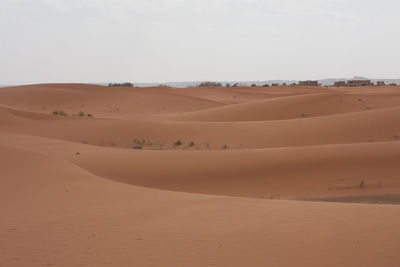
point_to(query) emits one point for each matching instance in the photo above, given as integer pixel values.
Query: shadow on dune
(367, 199)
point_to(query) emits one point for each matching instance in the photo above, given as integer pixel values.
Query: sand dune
(73, 191)
(81, 219)
(354, 127)
(292, 107)
(290, 173)
(115, 102)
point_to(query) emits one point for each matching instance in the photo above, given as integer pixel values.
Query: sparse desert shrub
(191, 144)
(59, 112)
(225, 146)
(138, 141)
(254, 85)
(209, 84)
(362, 184)
(81, 114)
(127, 84)
(266, 85)
(178, 143)
(89, 115)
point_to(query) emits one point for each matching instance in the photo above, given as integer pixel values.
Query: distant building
(340, 83)
(309, 83)
(356, 83)
(380, 83)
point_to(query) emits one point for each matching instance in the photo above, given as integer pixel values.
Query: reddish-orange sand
(281, 176)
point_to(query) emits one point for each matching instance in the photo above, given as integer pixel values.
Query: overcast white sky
(184, 40)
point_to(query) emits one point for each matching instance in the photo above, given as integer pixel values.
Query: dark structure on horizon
(380, 83)
(340, 83)
(357, 83)
(309, 83)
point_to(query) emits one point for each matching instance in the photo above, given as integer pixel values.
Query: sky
(98, 41)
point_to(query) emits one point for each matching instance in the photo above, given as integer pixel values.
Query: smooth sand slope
(74, 193)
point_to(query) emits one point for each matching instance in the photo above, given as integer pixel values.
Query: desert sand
(244, 176)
